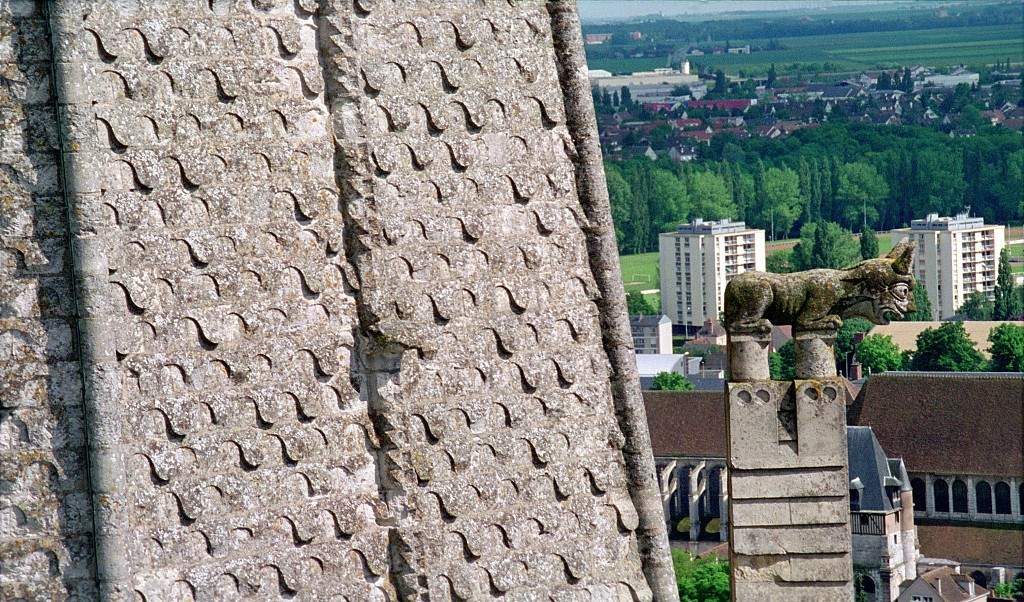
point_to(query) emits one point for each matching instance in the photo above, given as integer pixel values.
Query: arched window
(959, 496)
(978, 576)
(941, 492)
(919, 494)
(1002, 498)
(867, 584)
(983, 491)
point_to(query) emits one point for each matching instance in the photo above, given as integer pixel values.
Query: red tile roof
(723, 104)
(690, 423)
(969, 544)
(947, 422)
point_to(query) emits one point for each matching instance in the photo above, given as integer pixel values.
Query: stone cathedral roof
(947, 422)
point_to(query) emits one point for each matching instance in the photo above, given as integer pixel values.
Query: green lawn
(856, 51)
(639, 272)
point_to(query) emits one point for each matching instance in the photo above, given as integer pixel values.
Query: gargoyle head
(883, 286)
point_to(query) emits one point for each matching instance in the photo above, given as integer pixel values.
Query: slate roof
(875, 471)
(646, 321)
(947, 422)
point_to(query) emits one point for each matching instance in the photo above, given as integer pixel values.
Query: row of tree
(946, 348)
(852, 174)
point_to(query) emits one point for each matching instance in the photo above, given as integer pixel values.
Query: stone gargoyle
(818, 300)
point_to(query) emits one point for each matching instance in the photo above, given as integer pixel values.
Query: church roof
(947, 422)
(972, 544)
(688, 423)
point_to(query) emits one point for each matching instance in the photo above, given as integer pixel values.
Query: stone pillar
(790, 535)
(815, 354)
(972, 497)
(929, 495)
(695, 492)
(748, 357)
(1014, 498)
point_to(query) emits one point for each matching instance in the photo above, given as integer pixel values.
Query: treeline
(849, 173)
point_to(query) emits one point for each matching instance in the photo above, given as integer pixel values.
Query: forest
(853, 174)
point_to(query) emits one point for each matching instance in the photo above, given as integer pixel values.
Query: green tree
(638, 305)
(824, 245)
(878, 353)
(947, 349)
(868, 244)
(1011, 590)
(710, 196)
(780, 261)
(782, 363)
(922, 306)
(621, 198)
(976, 307)
(781, 202)
(1007, 305)
(1007, 348)
(861, 191)
(671, 381)
(700, 579)
(844, 345)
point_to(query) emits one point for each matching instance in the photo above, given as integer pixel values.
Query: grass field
(639, 272)
(855, 51)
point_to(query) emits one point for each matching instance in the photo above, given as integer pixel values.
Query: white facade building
(955, 257)
(651, 334)
(698, 259)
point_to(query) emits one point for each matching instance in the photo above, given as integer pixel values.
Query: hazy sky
(620, 9)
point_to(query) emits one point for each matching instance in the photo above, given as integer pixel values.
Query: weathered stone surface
(791, 539)
(231, 455)
(812, 592)
(815, 354)
(502, 454)
(748, 357)
(796, 483)
(799, 424)
(339, 306)
(793, 567)
(45, 511)
(790, 511)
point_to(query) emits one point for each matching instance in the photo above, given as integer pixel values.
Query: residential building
(955, 257)
(650, 365)
(651, 334)
(698, 259)
(943, 585)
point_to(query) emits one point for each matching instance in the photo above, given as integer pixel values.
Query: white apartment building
(955, 257)
(696, 262)
(651, 334)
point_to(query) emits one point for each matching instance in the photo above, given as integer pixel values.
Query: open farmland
(856, 51)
